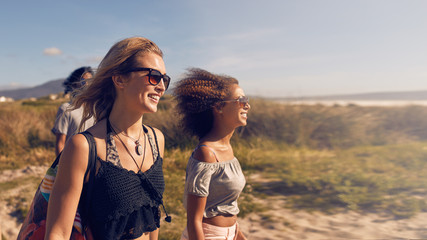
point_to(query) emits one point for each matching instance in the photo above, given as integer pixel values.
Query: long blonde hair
(98, 96)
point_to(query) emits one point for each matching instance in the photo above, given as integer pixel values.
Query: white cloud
(53, 51)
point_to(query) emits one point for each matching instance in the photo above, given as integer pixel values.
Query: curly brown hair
(197, 93)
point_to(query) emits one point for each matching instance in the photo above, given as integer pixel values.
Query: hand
(89, 235)
(239, 235)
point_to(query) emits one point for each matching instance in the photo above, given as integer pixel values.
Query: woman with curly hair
(212, 107)
(127, 181)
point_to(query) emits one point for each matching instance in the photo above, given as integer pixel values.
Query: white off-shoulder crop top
(220, 182)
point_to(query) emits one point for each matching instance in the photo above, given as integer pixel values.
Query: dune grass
(384, 179)
(321, 158)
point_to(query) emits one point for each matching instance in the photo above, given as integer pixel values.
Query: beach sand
(279, 223)
(274, 223)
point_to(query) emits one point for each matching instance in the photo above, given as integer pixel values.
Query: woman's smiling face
(139, 89)
(233, 111)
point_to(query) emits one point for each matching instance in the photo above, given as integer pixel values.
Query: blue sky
(278, 48)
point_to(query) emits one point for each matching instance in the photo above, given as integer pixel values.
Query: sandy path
(8, 223)
(280, 223)
(276, 223)
(285, 224)
(9, 175)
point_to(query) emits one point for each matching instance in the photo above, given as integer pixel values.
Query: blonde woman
(128, 182)
(212, 106)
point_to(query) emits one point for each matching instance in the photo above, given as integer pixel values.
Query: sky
(275, 48)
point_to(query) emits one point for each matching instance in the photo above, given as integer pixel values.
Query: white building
(5, 99)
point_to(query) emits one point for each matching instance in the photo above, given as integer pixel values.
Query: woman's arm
(65, 196)
(196, 204)
(60, 142)
(195, 209)
(154, 235)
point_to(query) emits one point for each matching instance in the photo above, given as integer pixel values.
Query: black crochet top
(125, 204)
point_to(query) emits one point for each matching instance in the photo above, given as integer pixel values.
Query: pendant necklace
(127, 150)
(138, 147)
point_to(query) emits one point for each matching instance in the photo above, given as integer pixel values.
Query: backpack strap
(55, 163)
(84, 203)
(92, 153)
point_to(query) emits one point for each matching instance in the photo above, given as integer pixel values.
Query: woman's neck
(220, 136)
(125, 121)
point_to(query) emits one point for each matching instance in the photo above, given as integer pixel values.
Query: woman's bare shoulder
(204, 154)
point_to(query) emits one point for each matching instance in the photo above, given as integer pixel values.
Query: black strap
(92, 153)
(56, 160)
(84, 203)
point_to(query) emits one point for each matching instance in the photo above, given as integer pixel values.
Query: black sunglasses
(154, 76)
(243, 100)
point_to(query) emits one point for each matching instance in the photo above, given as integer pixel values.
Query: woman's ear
(119, 81)
(218, 109)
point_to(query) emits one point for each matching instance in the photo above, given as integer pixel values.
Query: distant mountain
(54, 86)
(12, 86)
(376, 96)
